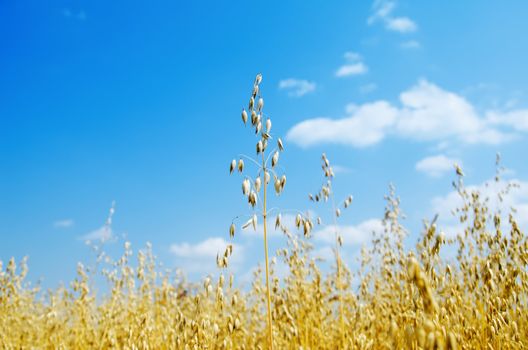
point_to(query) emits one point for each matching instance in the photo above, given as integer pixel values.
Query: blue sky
(140, 103)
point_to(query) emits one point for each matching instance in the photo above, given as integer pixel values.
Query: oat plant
(326, 194)
(255, 186)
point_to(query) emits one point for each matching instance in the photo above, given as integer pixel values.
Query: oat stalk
(251, 188)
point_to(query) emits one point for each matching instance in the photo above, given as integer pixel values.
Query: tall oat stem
(266, 258)
(251, 189)
(327, 193)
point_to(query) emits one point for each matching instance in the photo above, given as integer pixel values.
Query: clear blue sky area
(139, 102)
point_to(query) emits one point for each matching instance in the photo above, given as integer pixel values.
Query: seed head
(268, 125)
(252, 199)
(412, 268)
(220, 262)
(257, 184)
(278, 221)
(247, 223)
(232, 166)
(348, 201)
(240, 165)
(260, 147)
(244, 116)
(275, 159)
(260, 104)
(298, 220)
(245, 187)
(251, 103)
(267, 177)
(280, 145)
(307, 227)
(232, 230)
(458, 170)
(277, 186)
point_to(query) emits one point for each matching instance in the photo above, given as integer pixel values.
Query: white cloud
(383, 13)
(410, 44)
(436, 166)
(400, 24)
(208, 248)
(516, 119)
(351, 69)
(103, 234)
(351, 234)
(516, 198)
(65, 223)
(432, 113)
(427, 113)
(365, 127)
(297, 87)
(354, 65)
(201, 257)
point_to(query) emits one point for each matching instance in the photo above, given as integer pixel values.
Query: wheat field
(395, 298)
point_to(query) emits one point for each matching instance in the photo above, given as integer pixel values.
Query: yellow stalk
(268, 289)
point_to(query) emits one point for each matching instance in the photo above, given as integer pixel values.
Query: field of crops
(397, 298)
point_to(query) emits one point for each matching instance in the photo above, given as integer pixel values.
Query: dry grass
(401, 298)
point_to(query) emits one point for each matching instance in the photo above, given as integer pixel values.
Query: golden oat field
(467, 291)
